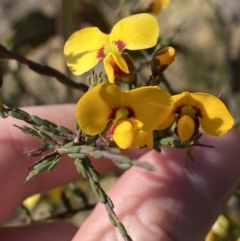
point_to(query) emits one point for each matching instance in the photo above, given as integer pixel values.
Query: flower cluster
(129, 118)
(126, 117)
(194, 109)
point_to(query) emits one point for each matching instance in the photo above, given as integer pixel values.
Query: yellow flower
(86, 47)
(193, 109)
(122, 114)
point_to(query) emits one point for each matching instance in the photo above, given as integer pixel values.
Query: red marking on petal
(116, 69)
(198, 111)
(178, 109)
(131, 113)
(120, 44)
(100, 53)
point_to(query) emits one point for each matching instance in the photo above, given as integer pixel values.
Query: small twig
(42, 69)
(118, 159)
(93, 177)
(167, 84)
(51, 156)
(37, 151)
(116, 220)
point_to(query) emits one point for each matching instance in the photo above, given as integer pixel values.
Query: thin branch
(42, 69)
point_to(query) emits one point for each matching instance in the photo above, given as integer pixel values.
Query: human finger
(14, 163)
(178, 201)
(48, 231)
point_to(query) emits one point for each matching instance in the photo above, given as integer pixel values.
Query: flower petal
(114, 64)
(184, 98)
(120, 61)
(109, 64)
(144, 138)
(167, 122)
(82, 47)
(185, 104)
(151, 105)
(125, 131)
(216, 119)
(138, 31)
(185, 127)
(95, 106)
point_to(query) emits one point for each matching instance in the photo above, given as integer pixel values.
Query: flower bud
(145, 6)
(162, 59)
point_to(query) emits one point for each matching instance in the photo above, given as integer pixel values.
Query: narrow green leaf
(46, 128)
(37, 120)
(93, 186)
(54, 164)
(89, 148)
(94, 174)
(49, 123)
(122, 229)
(44, 135)
(115, 150)
(64, 129)
(22, 112)
(80, 167)
(69, 144)
(123, 165)
(112, 220)
(43, 167)
(110, 202)
(40, 163)
(76, 155)
(31, 176)
(75, 149)
(96, 154)
(16, 115)
(101, 195)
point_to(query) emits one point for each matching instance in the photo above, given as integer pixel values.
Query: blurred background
(205, 34)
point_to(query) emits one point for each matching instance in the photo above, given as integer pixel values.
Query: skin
(180, 200)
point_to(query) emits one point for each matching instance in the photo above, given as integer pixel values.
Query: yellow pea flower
(123, 113)
(193, 109)
(86, 47)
